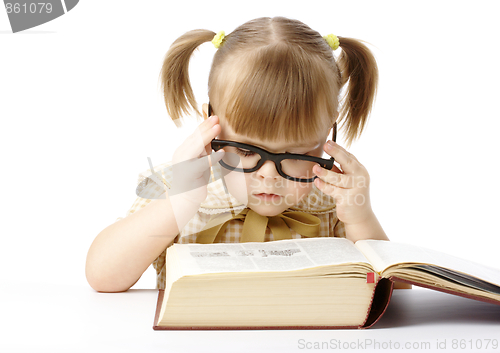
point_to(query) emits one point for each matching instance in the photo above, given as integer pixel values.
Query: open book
(313, 283)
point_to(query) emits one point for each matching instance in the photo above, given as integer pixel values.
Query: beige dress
(152, 186)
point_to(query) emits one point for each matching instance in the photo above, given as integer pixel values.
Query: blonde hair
(276, 78)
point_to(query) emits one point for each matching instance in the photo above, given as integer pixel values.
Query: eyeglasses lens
(246, 159)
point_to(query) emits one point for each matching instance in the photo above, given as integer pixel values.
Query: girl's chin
(268, 210)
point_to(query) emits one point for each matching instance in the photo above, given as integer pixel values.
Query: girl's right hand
(191, 164)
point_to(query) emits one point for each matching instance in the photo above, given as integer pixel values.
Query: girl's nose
(268, 170)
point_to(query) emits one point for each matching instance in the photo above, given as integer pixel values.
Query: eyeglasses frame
(275, 157)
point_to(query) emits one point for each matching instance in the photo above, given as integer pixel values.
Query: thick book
(313, 283)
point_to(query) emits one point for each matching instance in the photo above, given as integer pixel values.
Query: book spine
(380, 300)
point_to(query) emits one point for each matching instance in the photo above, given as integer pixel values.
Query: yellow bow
(254, 226)
(332, 40)
(218, 38)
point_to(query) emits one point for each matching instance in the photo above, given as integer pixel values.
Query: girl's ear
(204, 108)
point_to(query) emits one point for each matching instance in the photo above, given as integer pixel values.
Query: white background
(81, 111)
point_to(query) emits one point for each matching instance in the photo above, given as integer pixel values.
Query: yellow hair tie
(218, 38)
(332, 41)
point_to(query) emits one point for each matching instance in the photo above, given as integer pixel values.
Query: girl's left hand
(349, 186)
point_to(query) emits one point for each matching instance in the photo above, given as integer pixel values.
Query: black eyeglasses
(245, 158)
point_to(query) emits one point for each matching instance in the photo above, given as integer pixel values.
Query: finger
(347, 161)
(336, 169)
(198, 143)
(211, 134)
(326, 188)
(207, 133)
(215, 157)
(208, 123)
(203, 128)
(336, 179)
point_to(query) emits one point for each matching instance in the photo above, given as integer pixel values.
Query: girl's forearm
(121, 253)
(369, 229)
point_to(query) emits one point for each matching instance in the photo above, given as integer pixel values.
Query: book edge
(444, 290)
(161, 294)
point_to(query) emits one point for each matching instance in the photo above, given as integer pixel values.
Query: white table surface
(56, 318)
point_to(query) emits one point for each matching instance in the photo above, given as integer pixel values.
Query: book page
(283, 255)
(383, 254)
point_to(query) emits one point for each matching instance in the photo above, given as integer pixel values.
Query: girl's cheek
(304, 190)
(238, 184)
(252, 182)
(296, 193)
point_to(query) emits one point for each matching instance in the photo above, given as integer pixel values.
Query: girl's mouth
(268, 197)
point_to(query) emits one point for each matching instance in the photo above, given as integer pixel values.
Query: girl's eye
(244, 153)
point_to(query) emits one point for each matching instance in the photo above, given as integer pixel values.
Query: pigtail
(359, 70)
(174, 75)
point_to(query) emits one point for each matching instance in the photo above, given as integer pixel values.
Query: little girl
(274, 90)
